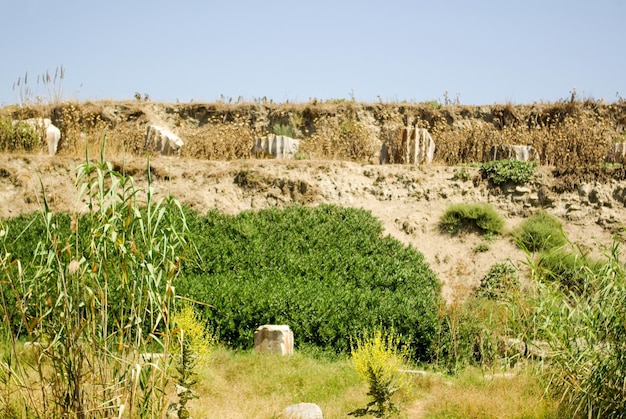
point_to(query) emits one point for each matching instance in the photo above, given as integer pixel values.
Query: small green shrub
(471, 217)
(508, 171)
(500, 281)
(482, 247)
(540, 232)
(461, 174)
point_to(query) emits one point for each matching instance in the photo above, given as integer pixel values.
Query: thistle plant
(380, 360)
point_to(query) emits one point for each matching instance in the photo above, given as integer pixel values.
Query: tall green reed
(585, 331)
(95, 298)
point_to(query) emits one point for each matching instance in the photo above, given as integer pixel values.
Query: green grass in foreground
(238, 384)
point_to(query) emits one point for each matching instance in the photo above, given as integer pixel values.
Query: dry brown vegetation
(568, 134)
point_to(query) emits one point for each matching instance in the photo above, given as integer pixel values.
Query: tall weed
(586, 334)
(95, 297)
(381, 361)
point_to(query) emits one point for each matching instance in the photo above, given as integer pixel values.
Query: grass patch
(238, 384)
(461, 174)
(244, 384)
(475, 394)
(540, 232)
(481, 218)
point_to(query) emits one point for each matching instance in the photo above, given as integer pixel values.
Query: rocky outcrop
(277, 146)
(517, 152)
(408, 145)
(162, 140)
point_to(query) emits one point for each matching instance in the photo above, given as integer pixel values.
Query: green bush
(482, 247)
(327, 272)
(540, 232)
(508, 171)
(471, 217)
(500, 281)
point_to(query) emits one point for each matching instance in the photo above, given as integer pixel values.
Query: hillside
(408, 199)
(337, 163)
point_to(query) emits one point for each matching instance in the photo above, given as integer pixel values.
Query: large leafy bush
(500, 281)
(327, 272)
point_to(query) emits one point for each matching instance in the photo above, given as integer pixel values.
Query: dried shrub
(567, 134)
(217, 140)
(342, 137)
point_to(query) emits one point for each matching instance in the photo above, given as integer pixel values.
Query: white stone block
(303, 411)
(277, 339)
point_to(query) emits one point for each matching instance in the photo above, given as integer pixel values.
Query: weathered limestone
(277, 339)
(50, 134)
(517, 152)
(162, 140)
(303, 411)
(409, 145)
(277, 146)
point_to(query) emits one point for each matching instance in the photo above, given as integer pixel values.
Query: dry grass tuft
(476, 394)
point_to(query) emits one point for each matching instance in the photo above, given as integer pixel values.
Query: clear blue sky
(517, 51)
